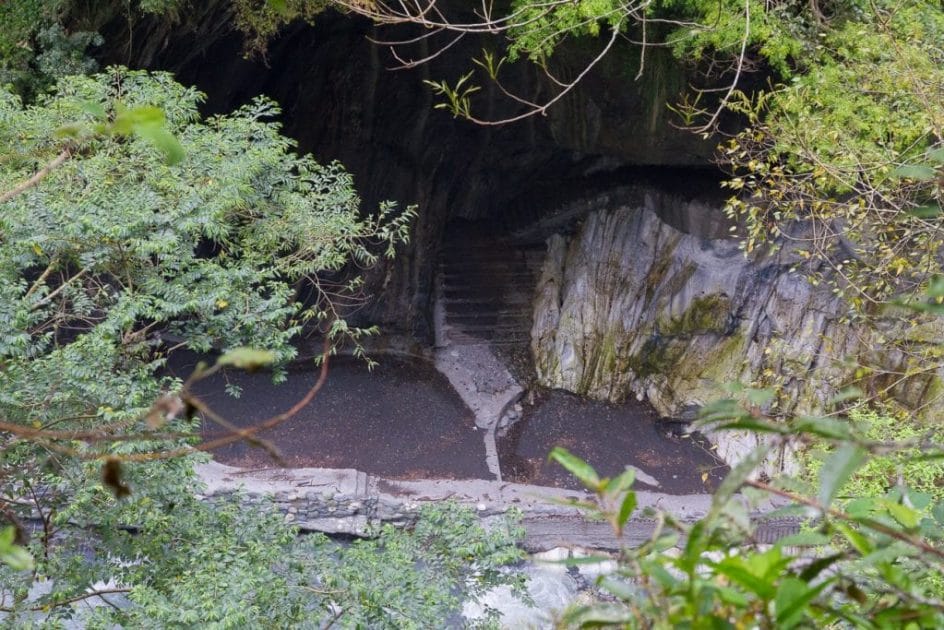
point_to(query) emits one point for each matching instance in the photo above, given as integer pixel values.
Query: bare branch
(36, 178)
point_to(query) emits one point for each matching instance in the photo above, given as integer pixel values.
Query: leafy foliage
(905, 466)
(260, 20)
(35, 49)
(142, 227)
(541, 30)
(227, 565)
(872, 561)
(844, 161)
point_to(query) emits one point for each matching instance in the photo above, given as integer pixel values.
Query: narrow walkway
(352, 502)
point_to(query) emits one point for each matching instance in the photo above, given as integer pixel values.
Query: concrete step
(472, 270)
(485, 323)
(510, 307)
(466, 339)
(459, 299)
(486, 288)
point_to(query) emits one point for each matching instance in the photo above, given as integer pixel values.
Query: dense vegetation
(130, 226)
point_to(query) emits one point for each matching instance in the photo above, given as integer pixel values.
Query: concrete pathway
(351, 502)
(484, 385)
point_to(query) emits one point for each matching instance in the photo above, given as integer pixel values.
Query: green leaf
(804, 539)
(938, 512)
(818, 566)
(861, 506)
(918, 172)
(925, 212)
(623, 481)
(736, 570)
(905, 516)
(837, 469)
(937, 155)
(12, 555)
(17, 558)
(127, 120)
(824, 427)
(935, 287)
(162, 140)
(752, 424)
(626, 509)
(919, 500)
(577, 467)
(725, 409)
(279, 7)
(95, 109)
(736, 478)
(694, 547)
(848, 393)
(69, 131)
(732, 596)
(247, 358)
(578, 561)
(598, 615)
(793, 596)
(759, 397)
(859, 542)
(655, 570)
(619, 589)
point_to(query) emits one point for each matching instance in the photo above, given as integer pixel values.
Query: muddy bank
(402, 420)
(608, 436)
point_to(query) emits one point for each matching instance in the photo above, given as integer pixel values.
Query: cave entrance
(488, 198)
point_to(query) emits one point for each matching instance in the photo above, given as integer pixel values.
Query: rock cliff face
(630, 306)
(341, 102)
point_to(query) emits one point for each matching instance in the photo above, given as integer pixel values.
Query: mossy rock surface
(706, 314)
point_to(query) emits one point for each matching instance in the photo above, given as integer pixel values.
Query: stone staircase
(485, 287)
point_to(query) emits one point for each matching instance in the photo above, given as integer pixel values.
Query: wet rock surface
(610, 437)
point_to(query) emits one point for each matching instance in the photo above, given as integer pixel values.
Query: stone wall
(347, 501)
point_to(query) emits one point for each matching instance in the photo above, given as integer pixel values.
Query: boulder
(632, 306)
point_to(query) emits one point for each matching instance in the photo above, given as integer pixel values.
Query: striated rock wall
(630, 306)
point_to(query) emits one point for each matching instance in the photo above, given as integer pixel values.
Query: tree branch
(38, 177)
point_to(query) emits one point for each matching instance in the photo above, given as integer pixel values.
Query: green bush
(902, 467)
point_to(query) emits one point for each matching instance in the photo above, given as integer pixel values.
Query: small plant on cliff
(904, 465)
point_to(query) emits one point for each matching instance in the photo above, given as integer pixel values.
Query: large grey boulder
(631, 306)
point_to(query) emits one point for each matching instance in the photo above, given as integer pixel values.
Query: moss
(657, 356)
(706, 314)
(933, 401)
(698, 373)
(603, 365)
(655, 279)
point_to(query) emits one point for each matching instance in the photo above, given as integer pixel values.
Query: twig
(38, 177)
(737, 75)
(71, 600)
(262, 426)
